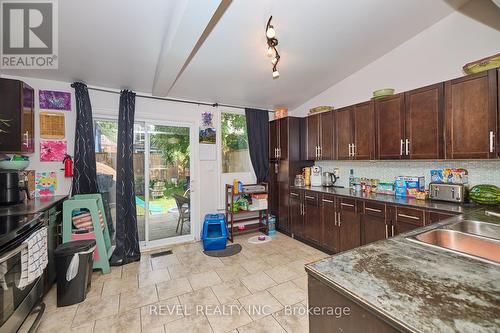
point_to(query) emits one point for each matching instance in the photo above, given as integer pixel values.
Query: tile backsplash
(480, 171)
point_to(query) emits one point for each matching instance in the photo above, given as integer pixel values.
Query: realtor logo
(29, 35)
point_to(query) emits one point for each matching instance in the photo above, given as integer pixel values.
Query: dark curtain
(258, 141)
(127, 238)
(84, 168)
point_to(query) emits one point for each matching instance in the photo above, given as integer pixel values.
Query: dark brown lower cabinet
(407, 219)
(352, 319)
(374, 223)
(312, 217)
(296, 217)
(434, 217)
(349, 224)
(329, 229)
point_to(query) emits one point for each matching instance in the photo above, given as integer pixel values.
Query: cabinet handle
(409, 216)
(335, 219)
(407, 146)
(492, 144)
(373, 209)
(401, 148)
(350, 153)
(326, 200)
(294, 194)
(309, 197)
(339, 221)
(26, 139)
(279, 152)
(353, 150)
(386, 231)
(346, 204)
(320, 151)
(392, 231)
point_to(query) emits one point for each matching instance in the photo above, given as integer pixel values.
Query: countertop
(32, 206)
(390, 199)
(418, 288)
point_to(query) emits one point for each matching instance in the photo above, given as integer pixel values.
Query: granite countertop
(32, 206)
(390, 199)
(416, 287)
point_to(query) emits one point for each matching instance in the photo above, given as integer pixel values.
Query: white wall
(436, 54)
(63, 183)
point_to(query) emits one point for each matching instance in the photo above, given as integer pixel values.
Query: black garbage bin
(74, 261)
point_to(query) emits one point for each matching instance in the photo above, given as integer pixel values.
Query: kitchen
(183, 182)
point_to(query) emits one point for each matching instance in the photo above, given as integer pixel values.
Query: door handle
(409, 216)
(373, 209)
(386, 231)
(401, 148)
(407, 146)
(492, 144)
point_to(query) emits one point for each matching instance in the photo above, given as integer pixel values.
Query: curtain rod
(176, 99)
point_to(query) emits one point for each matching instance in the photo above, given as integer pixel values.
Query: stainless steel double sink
(472, 238)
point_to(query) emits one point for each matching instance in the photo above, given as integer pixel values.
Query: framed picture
(54, 100)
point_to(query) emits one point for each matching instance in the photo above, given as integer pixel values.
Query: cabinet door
(295, 217)
(273, 198)
(312, 217)
(471, 116)
(424, 110)
(28, 119)
(374, 223)
(389, 113)
(349, 225)
(364, 131)
(312, 125)
(10, 115)
(402, 227)
(344, 133)
(274, 133)
(283, 139)
(327, 136)
(330, 233)
(283, 194)
(434, 217)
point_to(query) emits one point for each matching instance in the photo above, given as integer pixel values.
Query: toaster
(447, 192)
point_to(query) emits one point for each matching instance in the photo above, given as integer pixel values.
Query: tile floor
(187, 291)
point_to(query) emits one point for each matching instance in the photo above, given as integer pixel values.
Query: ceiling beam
(190, 26)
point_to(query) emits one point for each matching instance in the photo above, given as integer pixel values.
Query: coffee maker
(12, 185)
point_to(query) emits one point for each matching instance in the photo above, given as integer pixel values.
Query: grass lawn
(166, 202)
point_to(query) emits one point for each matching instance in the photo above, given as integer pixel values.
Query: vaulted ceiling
(215, 50)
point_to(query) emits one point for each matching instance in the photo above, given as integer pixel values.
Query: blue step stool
(214, 233)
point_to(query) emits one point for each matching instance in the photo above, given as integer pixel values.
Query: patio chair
(183, 209)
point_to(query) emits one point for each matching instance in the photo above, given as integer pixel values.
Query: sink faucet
(489, 213)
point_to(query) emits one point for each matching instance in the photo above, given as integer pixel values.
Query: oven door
(13, 300)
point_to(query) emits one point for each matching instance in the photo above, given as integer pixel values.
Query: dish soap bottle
(351, 179)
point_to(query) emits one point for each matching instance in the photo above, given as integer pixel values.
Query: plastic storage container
(214, 234)
(74, 261)
(272, 225)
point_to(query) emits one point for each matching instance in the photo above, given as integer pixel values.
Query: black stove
(14, 227)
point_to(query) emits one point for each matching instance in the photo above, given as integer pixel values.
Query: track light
(272, 51)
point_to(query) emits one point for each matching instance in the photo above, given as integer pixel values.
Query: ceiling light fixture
(272, 51)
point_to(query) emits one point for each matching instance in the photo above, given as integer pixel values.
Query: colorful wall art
(52, 151)
(207, 128)
(54, 100)
(45, 184)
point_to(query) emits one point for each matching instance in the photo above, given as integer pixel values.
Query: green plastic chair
(92, 202)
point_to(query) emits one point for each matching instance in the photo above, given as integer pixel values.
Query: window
(235, 155)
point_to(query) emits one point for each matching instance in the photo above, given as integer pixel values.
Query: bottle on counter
(351, 179)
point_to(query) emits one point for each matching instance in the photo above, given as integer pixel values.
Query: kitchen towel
(34, 257)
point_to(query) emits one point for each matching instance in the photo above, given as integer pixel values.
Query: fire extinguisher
(68, 166)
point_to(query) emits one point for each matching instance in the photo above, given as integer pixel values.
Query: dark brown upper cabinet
(16, 117)
(471, 116)
(278, 139)
(356, 132)
(424, 123)
(320, 135)
(389, 122)
(344, 129)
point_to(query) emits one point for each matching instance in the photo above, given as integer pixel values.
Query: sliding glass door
(162, 166)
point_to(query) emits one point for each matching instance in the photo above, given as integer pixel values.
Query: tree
(234, 131)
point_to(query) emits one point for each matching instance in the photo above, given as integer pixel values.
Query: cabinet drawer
(311, 198)
(374, 209)
(410, 215)
(347, 204)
